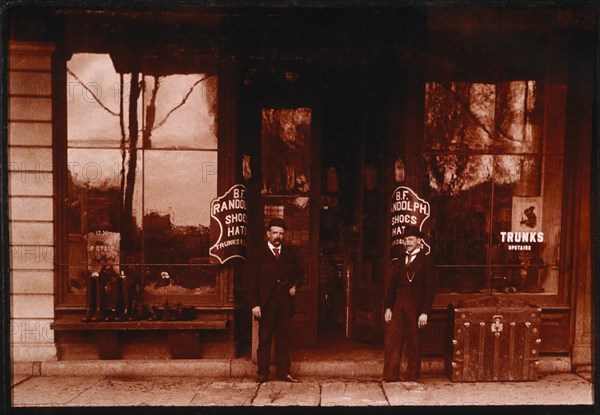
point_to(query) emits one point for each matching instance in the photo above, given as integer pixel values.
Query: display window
(494, 179)
(138, 185)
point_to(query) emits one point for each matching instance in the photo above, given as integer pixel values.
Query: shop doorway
(351, 254)
(337, 221)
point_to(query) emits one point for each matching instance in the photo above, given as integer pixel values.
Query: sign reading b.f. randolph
(229, 225)
(407, 209)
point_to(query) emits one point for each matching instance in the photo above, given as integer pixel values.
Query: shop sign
(521, 241)
(103, 248)
(229, 225)
(407, 209)
(526, 225)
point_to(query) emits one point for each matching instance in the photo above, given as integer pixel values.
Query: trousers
(402, 331)
(275, 321)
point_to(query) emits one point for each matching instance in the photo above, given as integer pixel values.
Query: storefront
(125, 125)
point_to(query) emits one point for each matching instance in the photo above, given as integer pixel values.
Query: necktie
(276, 252)
(410, 258)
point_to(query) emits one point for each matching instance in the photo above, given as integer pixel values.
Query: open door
(365, 272)
(289, 158)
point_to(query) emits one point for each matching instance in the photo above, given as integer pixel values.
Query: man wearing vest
(273, 284)
(408, 302)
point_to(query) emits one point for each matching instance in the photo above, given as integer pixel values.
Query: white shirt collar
(271, 247)
(415, 252)
(412, 254)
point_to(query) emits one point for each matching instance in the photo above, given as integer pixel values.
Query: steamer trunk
(493, 339)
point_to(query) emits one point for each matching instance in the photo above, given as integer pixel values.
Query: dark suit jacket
(423, 286)
(263, 276)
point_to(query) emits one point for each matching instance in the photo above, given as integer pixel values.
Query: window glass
(144, 211)
(94, 211)
(286, 151)
(176, 213)
(459, 227)
(495, 195)
(285, 154)
(93, 102)
(181, 100)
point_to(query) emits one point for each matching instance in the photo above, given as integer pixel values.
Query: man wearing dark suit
(408, 302)
(273, 284)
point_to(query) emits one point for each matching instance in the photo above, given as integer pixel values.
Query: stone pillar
(31, 208)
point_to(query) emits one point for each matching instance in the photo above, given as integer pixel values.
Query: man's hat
(277, 221)
(412, 231)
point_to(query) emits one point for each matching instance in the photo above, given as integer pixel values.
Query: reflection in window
(142, 164)
(487, 177)
(475, 116)
(285, 154)
(176, 100)
(456, 173)
(286, 151)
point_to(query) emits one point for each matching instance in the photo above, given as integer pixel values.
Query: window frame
(558, 299)
(222, 299)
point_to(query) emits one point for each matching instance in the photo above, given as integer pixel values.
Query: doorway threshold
(333, 345)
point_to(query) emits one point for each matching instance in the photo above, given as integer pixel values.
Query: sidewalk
(431, 390)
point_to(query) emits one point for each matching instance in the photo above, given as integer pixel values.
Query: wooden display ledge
(183, 336)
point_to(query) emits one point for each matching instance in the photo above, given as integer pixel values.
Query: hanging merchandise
(399, 170)
(246, 170)
(301, 202)
(370, 177)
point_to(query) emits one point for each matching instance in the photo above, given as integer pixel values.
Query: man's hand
(388, 315)
(293, 290)
(256, 312)
(422, 320)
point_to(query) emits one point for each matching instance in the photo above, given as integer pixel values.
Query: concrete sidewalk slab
(16, 379)
(43, 391)
(226, 393)
(277, 393)
(140, 392)
(352, 394)
(555, 389)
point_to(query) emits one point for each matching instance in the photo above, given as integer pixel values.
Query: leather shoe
(289, 378)
(262, 379)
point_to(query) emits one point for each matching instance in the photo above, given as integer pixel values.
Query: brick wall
(31, 201)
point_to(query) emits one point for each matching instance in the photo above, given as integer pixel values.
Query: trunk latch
(497, 325)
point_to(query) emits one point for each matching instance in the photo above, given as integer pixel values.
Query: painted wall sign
(229, 225)
(407, 208)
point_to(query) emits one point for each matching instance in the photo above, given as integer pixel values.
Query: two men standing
(274, 281)
(278, 274)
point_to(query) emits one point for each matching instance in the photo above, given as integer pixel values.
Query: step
(237, 368)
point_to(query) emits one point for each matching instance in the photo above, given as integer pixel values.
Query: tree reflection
(480, 132)
(152, 110)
